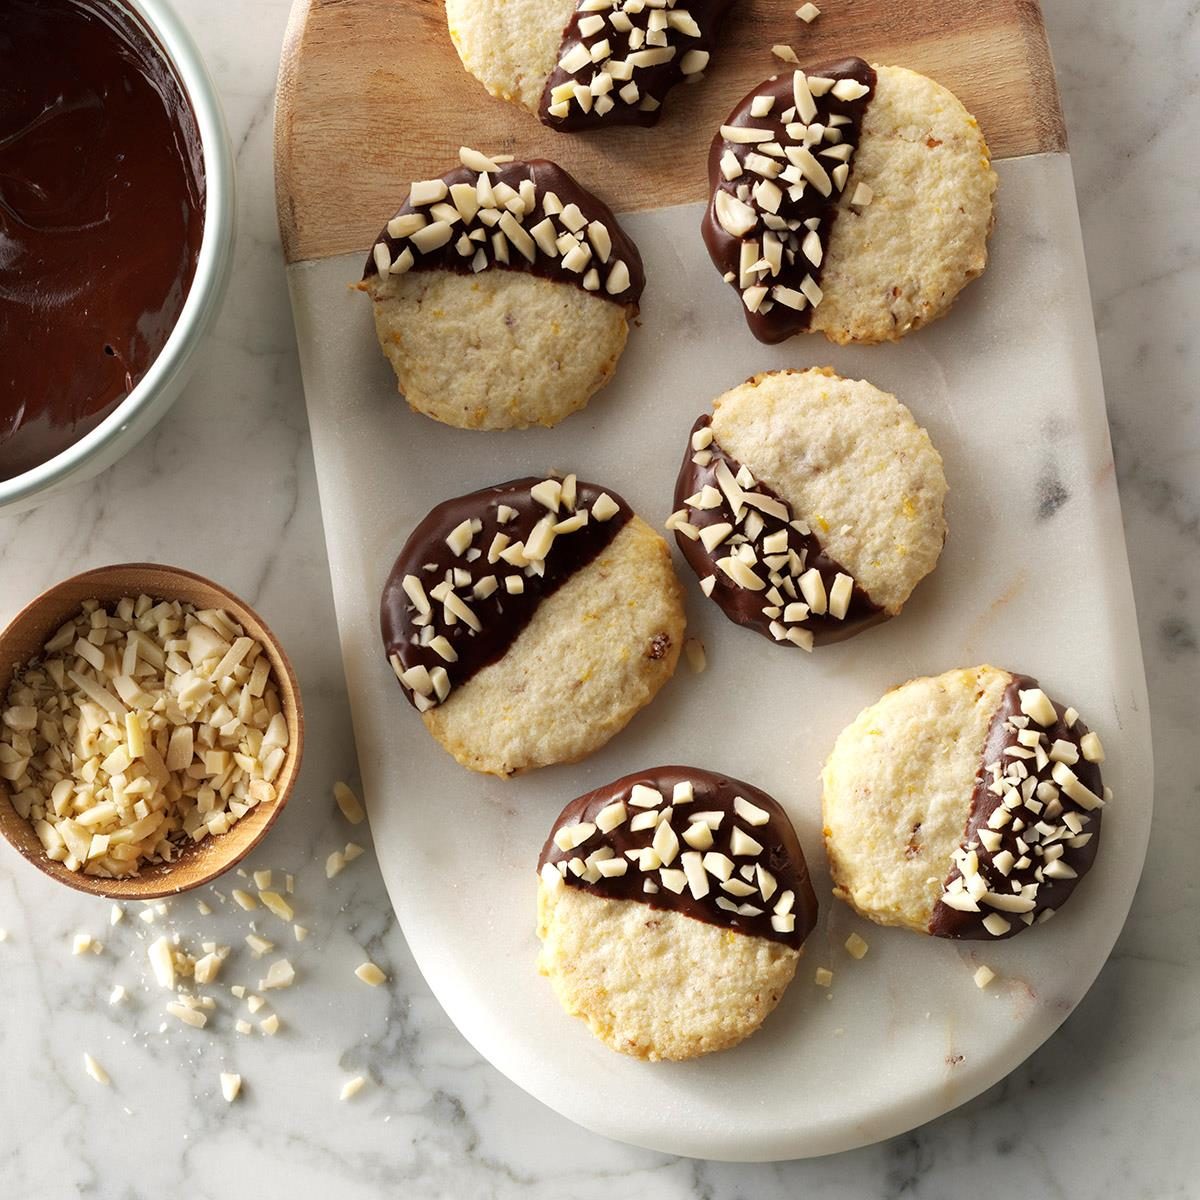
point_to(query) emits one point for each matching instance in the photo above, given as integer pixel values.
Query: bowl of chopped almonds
(151, 731)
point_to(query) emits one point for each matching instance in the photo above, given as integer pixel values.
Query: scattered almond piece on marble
(275, 903)
(369, 973)
(350, 805)
(162, 961)
(95, 1070)
(280, 974)
(856, 946)
(697, 659)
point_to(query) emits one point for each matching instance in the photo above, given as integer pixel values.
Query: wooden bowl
(199, 862)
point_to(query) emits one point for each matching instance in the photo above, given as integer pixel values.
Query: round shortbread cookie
(672, 907)
(530, 621)
(810, 506)
(967, 805)
(576, 64)
(849, 200)
(502, 294)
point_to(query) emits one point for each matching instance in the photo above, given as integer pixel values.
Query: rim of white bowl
(213, 263)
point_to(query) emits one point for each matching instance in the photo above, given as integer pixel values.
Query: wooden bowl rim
(154, 882)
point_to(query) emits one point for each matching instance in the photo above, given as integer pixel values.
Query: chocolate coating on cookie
(687, 840)
(520, 216)
(473, 572)
(773, 593)
(1034, 823)
(777, 180)
(619, 59)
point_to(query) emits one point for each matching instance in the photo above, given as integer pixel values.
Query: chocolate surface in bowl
(101, 217)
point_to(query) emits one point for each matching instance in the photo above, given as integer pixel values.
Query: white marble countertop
(1109, 1104)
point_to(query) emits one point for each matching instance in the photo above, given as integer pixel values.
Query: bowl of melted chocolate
(116, 230)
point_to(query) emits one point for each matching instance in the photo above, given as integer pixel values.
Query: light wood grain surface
(372, 95)
(198, 863)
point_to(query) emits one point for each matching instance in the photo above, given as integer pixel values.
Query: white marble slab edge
(333, 434)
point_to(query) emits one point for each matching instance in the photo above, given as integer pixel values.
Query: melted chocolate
(550, 182)
(643, 104)
(501, 614)
(1051, 893)
(101, 218)
(743, 605)
(781, 854)
(773, 320)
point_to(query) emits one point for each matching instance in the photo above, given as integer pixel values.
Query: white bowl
(133, 418)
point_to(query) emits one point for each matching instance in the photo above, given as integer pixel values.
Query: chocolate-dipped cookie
(849, 200)
(809, 506)
(584, 64)
(967, 805)
(529, 621)
(502, 293)
(672, 907)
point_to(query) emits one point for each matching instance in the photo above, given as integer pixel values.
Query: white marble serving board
(1034, 577)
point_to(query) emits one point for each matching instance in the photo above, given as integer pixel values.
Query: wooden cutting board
(372, 96)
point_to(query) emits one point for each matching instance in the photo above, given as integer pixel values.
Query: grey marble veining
(1108, 1106)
